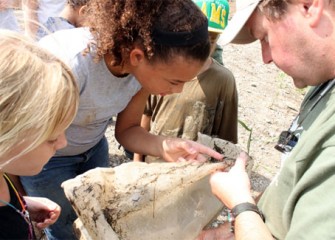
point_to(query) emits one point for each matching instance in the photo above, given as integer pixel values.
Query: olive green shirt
(300, 201)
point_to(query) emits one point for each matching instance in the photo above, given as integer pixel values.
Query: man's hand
(233, 187)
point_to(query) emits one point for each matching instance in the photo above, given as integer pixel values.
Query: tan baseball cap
(236, 32)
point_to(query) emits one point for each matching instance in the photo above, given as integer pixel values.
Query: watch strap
(242, 207)
(239, 208)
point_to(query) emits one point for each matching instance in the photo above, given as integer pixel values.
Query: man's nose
(266, 53)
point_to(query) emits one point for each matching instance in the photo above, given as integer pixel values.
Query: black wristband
(242, 207)
(239, 208)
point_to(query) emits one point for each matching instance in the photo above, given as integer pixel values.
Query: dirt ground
(268, 102)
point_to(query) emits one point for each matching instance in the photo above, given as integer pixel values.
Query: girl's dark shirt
(12, 224)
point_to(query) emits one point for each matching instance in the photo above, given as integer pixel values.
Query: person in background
(70, 17)
(208, 104)
(37, 12)
(39, 99)
(217, 54)
(8, 18)
(298, 36)
(218, 12)
(127, 50)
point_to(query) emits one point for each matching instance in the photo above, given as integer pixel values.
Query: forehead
(255, 25)
(213, 34)
(178, 68)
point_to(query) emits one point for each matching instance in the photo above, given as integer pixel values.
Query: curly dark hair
(77, 3)
(117, 25)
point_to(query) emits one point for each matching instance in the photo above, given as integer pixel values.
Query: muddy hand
(233, 187)
(177, 149)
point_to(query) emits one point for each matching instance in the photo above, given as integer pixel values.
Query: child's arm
(29, 8)
(133, 137)
(145, 123)
(43, 211)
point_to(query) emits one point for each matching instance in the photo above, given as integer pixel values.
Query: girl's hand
(178, 150)
(43, 211)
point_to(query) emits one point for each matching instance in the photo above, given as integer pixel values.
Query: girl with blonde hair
(38, 101)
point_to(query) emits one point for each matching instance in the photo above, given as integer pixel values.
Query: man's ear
(136, 57)
(315, 10)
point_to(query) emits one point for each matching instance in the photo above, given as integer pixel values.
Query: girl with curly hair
(128, 49)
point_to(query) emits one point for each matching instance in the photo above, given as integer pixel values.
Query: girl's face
(166, 78)
(32, 162)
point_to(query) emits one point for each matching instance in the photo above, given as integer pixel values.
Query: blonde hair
(37, 93)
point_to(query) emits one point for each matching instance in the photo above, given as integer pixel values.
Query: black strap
(242, 207)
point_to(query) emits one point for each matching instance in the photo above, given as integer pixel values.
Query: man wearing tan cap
(298, 36)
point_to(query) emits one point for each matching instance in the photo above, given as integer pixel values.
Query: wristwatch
(239, 208)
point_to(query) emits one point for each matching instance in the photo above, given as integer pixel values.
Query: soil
(268, 102)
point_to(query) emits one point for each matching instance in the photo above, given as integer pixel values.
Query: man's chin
(299, 83)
